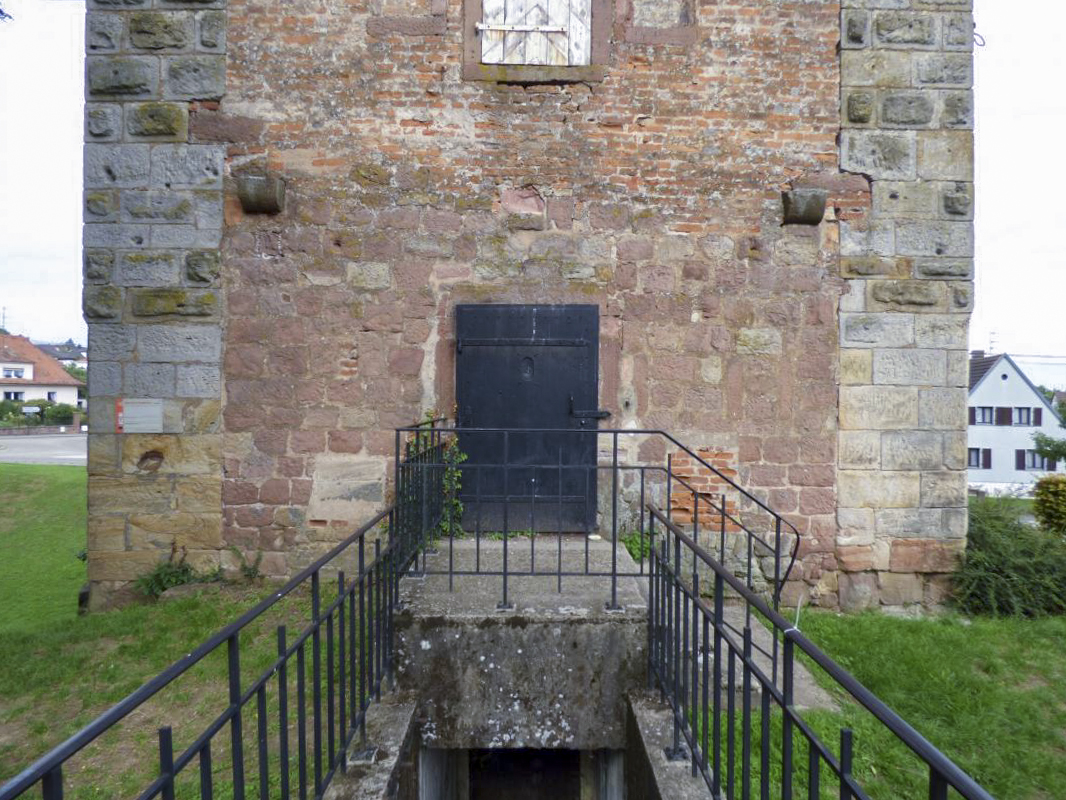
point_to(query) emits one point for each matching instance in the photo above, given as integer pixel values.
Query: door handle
(598, 414)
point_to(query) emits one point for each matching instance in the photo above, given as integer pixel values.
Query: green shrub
(59, 414)
(173, 572)
(1049, 504)
(1010, 569)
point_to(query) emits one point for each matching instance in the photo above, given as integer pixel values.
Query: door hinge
(598, 414)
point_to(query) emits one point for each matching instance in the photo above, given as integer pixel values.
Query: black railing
(334, 667)
(694, 655)
(521, 490)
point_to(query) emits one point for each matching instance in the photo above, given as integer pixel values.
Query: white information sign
(138, 415)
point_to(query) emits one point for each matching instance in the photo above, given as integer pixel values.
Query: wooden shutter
(1052, 466)
(1038, 417)
(536, 32)
(973, 415)
(986, 459)
(1019, 459)
(1003, 415)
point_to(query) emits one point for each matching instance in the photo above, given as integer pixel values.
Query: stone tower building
(285, 201)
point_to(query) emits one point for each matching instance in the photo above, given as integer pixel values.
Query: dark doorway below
(525, 774)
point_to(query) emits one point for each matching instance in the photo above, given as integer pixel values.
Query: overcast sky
(1021, 172)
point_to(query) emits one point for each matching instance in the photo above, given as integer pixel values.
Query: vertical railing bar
(379, 626)
(845, 752)
(533, 525)
(642, 477)
(236, 732)
(653, 630)
(477, 520)
(207, 779)
(677, 698)
(695, 666)
(316, 677)
(166, 762)
(301, 718)
(363, 643)
(506, 507)
(746, 718)
(764, 760)
(588, 474)
(682, 665)
(261, 739)
(814, 762)
(786, 724)
(614, 521)
(938, 786)
(731, 713)
(559, 528)
(52, 783)
(719, 601)
(706, 690)
(283, 713)
(353, 644)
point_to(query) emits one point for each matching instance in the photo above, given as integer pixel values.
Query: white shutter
(538, 32)
(580, 32)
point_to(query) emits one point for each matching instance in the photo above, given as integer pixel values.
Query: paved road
(60, 449)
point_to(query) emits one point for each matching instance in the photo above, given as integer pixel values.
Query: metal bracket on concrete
(679, 753)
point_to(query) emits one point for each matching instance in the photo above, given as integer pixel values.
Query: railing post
(283, 712)
(846, 747)
(52, 783)
(613, 605)
(166, 762)
(504, 604)
(938, 787)
(652, 605)
(316, 677)
(786, 722)
(236, 733)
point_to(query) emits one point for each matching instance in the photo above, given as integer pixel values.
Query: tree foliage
(74, 371)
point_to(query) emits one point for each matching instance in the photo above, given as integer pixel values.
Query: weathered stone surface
(103, 121)
(211, 29)
(367, 275)
(957, 110)
(153, 30)
(198, 380)
(874, 489)
(179, 343)
(882, 68)
(946, 269)
(926, 555)
(116, 166)
(940, 409)
(877, 330)
(957, 200)
(174, 302)
(856, 367)
(196, 77)
(147, 268)
(900, 590)
(910, 522)
(98, 265)
(903, 199)
(858, 591)
(164, 121)
(878, 407)
(129, 76)
(102, 302)
(944, 69)
(759, 341)
(187, 166)
(111, 342)
(860, 107)
(910, 367)
(912, 450)
(103, 32)
(879, 154)
(157, 207)
(202, 266)
(946, 331)
(907, 109)
(905, 28)
(944, 489)
(855, 28)
(101, 205)
(345, 488)
(105, 378)
(945, 155)
(859, 450)
(918, 296)
(148, 380)
(163, 454)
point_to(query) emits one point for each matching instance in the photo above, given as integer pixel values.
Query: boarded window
(1038, 416)
(538, 32)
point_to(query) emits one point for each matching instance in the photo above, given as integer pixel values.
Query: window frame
(973, 454)
(14, 372)
(1035, 462)
(595, 71)
(21, 398)
(981, 416)
(1021, 412)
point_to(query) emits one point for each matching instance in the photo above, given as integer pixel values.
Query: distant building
(28, 373)
(67, 353)
(1005, 410)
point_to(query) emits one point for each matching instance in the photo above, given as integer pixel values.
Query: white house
(28, 374)
(1005, 410)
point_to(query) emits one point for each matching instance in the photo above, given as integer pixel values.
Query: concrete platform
(552, 672)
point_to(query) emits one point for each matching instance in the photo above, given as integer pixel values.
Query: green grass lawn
(42, 529)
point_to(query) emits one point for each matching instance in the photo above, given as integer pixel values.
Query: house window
(1030, 460)
(51, 397)
(14, 372)
(979, 458)
(984, 415)
(17, 396)
(536, 41)
(1023, 416)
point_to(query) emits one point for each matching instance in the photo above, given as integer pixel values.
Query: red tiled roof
(46, 370)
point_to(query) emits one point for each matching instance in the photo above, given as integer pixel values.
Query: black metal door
(526, 368)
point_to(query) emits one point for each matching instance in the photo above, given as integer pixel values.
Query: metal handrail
(46, 764)
(942, 769)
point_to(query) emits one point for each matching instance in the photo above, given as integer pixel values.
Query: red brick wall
(661, 203)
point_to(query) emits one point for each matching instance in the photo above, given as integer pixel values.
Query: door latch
(598, 414)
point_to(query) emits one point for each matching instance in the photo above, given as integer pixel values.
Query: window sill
(527, 73)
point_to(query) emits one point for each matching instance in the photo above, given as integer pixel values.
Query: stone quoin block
(121, 77)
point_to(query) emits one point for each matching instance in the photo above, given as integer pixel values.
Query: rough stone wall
(153, 224)
(907, 109)
(654, 193)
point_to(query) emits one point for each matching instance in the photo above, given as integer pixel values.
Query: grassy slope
(990, 694)
(42, 528)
